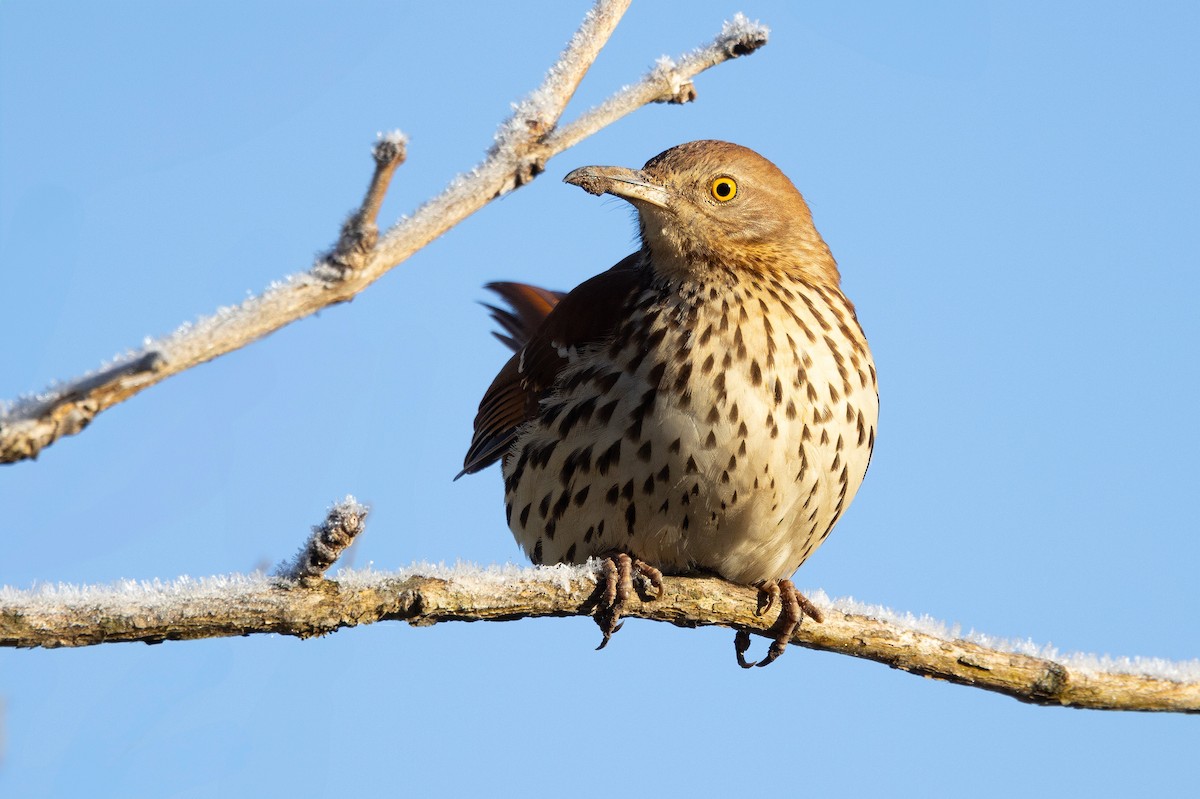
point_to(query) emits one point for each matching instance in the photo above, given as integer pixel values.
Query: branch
(523, 145)
(425, 595)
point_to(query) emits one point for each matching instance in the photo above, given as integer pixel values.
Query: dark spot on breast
(581, 495)
(755, 372)
(537, 553)
(711, 441)
(714, 416)
(648, 486)
(570, 556)
(587, 537)
(674, 448)
(613, 493)
(627, 489)
(644, 452)
(681, 379)
(508, 509)
(778, 392)
(655, 338)
(604, 412)
(524, 517)
(544, 506)
(551, 525)
(609, 458)
(630, 517)
(691, 466)
(664, 474)
(541, 458)
(656, 374)
(707, 366)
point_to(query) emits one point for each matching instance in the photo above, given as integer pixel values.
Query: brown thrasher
(708, 405)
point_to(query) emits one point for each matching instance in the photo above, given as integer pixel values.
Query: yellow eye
(723, 189)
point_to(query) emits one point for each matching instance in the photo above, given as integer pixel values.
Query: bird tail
(529, 305)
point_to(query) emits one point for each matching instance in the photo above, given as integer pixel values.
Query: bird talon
(794, 606)
(768, 592)
(741, 643)
(650, 575)
(616, 583)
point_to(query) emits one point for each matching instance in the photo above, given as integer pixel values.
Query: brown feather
(586, 315)
(530, 307)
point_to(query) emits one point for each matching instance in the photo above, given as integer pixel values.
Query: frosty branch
(299, 601)
(523, 146)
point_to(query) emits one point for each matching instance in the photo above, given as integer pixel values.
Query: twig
(424, 596)
(523, 146)
(328, 541)
(361, 231)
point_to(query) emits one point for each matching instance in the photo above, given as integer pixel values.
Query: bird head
(708, 208)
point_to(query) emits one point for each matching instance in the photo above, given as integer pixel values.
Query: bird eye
(723, 189)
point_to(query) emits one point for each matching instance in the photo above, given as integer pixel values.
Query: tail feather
(530, 307)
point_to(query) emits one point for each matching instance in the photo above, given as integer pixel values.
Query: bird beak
(630, 184)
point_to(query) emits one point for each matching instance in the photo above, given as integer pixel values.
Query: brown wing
(548, 325)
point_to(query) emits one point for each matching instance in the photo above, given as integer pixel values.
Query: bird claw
(616, 581)
(794, 606)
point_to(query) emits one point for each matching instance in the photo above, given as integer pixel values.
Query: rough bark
(246, 605)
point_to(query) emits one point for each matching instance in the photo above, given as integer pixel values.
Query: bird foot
(616, 586)
(794, 606)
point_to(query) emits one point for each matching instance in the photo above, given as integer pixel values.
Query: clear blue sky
(1011, 192)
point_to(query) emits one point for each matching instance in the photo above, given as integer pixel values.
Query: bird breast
(723, 428)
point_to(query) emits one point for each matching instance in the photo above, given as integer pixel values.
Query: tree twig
(237, 605)
(523, 146)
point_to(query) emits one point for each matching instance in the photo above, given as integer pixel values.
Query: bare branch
(523, 146)
(424, 596)
(668, 82)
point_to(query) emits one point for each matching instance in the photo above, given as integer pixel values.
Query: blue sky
(1009, 188)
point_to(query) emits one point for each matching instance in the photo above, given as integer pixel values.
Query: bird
(706, 406)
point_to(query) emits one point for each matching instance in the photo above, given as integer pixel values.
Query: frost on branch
(424, 595)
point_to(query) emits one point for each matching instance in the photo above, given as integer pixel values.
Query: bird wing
(543, 327)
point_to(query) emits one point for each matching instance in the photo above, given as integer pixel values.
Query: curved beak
(629, 184)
